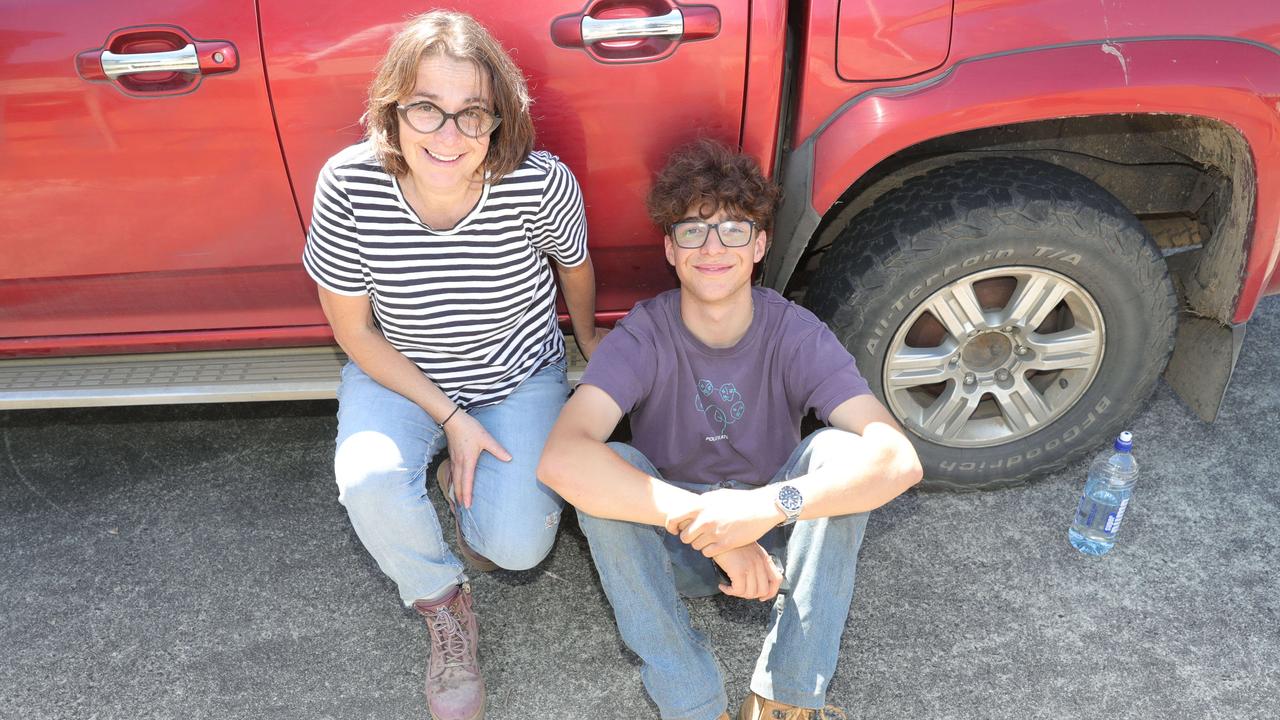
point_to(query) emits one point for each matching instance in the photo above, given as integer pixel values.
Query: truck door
(141, 183)
(617, 84)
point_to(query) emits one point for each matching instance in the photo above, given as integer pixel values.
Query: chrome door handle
(595, 30)
(178, 66)
(646, 38)
(184, 60)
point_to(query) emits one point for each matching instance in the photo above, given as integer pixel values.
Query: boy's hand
(730, 519)
(680, 515)
(752, 574)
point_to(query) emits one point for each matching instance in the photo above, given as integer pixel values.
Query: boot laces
(450, 639)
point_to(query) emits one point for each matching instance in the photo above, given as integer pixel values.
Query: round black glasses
(427, 118)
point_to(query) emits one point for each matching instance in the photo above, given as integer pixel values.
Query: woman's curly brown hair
(709, 176)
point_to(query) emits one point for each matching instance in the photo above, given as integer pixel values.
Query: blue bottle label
(1113, 519)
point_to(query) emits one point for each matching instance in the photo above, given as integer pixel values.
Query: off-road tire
(975, 216)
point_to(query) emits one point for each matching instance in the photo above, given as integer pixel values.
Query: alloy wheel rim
(994, 356)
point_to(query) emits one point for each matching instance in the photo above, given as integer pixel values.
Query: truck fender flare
(1140, 75)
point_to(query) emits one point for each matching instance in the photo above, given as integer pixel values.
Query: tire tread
(911, 224)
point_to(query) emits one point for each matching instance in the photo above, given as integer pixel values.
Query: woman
(429, 242)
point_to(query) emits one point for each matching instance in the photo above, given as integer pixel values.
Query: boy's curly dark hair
(709, 176)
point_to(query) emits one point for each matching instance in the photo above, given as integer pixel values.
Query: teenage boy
(717, 492)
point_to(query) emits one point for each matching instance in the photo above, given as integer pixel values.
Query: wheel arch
(1190, 161)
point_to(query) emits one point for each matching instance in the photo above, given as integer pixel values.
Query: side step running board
(171, 378)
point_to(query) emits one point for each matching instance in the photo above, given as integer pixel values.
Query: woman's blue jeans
(644, 570)
(385, 443)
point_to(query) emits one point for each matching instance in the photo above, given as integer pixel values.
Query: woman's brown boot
(455, 687)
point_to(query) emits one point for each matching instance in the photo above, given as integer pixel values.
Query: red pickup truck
(1014, 214)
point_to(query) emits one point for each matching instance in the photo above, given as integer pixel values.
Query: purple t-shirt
(704, 414)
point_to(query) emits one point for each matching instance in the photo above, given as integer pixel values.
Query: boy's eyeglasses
(693, 234)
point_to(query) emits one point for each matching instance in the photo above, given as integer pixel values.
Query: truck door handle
(183, 60)
(156, 60)
(641, 38)
(670, 25)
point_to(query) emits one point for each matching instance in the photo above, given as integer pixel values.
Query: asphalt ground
(193, 562)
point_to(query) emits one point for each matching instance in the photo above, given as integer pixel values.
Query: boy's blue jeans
(644, 570)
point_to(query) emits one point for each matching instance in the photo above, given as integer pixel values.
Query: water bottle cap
(1124, 443)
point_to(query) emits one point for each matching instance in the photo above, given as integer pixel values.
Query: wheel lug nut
(970, 379)
(1002, 374)
(953, 361)
(1021, 350)
(1009, 329)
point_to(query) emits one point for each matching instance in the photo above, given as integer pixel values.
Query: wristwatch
(790, 502)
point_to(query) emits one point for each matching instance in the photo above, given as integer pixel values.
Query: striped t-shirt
(474, 306)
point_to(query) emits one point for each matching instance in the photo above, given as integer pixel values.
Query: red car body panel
(139, 213)
(174, 289)
(984, 27)
(216, 183)
(762, 108)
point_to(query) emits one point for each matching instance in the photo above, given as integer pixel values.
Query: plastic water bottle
(1105, 497)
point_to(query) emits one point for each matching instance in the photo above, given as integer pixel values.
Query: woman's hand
(467, 439)
(752, 574)
(578, 285)
(588, 344)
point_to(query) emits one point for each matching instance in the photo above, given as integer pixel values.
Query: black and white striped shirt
(473, 306)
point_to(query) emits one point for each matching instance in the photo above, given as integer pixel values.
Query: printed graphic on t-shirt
(721, 405)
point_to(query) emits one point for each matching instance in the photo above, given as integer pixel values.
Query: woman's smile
(443, 158)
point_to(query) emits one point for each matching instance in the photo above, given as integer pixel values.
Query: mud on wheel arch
(1011, 313)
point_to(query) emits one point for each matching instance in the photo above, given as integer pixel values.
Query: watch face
(790, 499)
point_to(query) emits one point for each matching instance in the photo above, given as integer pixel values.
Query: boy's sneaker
(455, 687)
(473, 558)
(759, 708)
